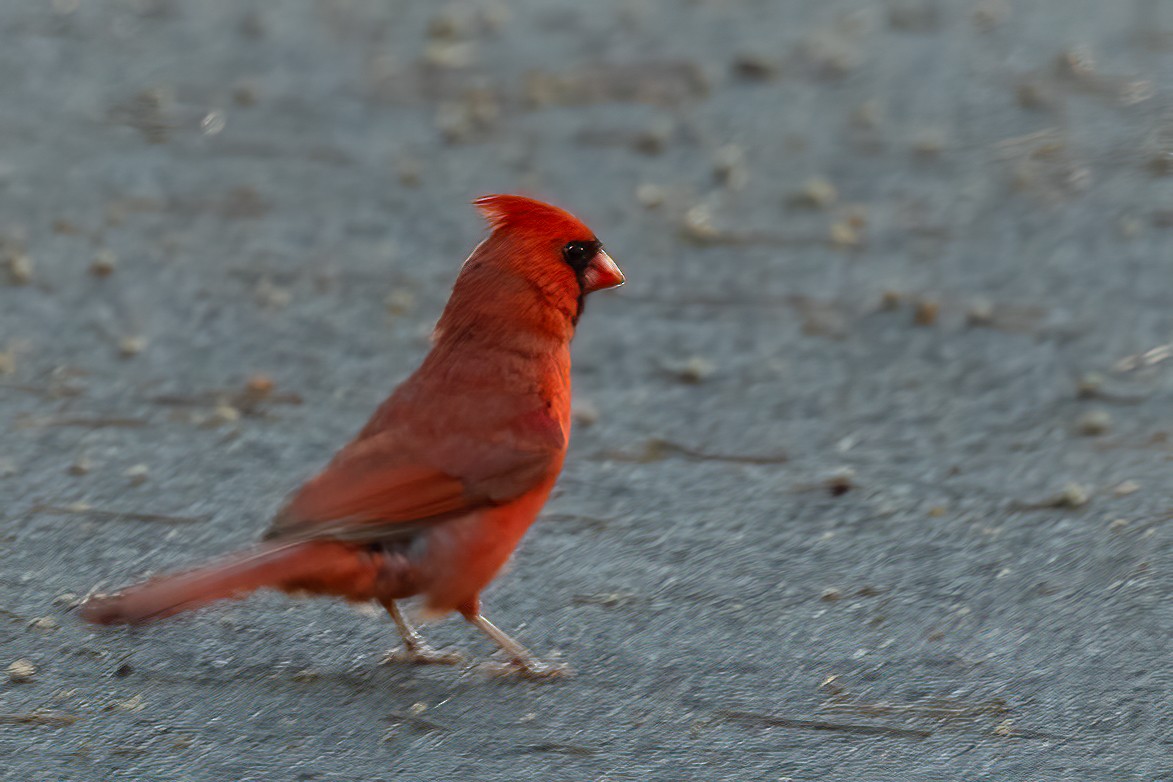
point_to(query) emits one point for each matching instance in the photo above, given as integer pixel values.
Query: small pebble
(451, 23)
(1125, 488)
(399, 301)
(980, 312)
(137, 474)
(868, 115)
(891, 300)
(450, 55)
(81, 466)
(843, 234)
(650, 196)
(259, 385)
(20, 268)
(694, 369)
(1094, 422)
(831, 685)
(847, 232)
(44, 623)
(132, 704)
(930, 142)
(831, 55)
(1089, 385)
(245, 94)
(213, 123)
(1004, 728)
(816, 193)
(926, 312)
(698, 224)
(654, 139)
(104, 263)
(840, 481)
(223, 414)
(584, 413)
(128, 347)
(754, 66)
(1072, 495)
(1077, 62)
(730, 167)
(272, 296)
(21, 671)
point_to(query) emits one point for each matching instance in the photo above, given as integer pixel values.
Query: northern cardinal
(434, 493)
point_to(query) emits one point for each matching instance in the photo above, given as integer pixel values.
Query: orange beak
(601, 274)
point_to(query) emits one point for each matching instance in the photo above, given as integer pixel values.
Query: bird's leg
(521, 662)
(415, 649)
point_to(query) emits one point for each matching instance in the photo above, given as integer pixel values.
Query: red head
(557, 242)
(537, 265)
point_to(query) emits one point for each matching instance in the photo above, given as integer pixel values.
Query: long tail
(323, 567)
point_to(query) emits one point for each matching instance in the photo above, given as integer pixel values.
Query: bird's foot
(422, 654)
(527, 668)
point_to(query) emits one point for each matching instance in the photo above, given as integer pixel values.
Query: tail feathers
(279, 566)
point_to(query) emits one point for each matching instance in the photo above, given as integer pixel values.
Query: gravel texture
(871, 476)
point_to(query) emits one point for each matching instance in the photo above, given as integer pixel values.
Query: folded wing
(382, 488)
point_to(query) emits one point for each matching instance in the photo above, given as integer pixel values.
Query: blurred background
(870, 472)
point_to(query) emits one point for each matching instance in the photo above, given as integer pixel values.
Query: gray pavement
(860, 490)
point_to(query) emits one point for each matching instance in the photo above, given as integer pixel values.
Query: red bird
(434, 493)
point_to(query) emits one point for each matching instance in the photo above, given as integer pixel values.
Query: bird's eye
(579, 254)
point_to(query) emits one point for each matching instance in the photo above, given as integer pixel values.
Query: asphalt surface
(885, 262)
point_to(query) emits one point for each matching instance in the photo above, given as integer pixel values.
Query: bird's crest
(528, 216)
